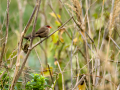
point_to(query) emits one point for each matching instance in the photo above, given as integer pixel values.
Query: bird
(42, 32)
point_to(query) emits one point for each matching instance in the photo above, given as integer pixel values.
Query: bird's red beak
(50, 27)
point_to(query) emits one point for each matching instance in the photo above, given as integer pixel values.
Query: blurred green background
(59, 45)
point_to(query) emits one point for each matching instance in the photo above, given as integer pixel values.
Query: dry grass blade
(6, 36)
(78, 10)
(116, 10)
(115, 43)
(113, 16)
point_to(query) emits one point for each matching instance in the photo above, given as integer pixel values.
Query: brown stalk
(50, 74)
(114, 61)
(82, 54)
(6, 36)
(34, 25)
(2, 74)
(17, 74)
(20, 45)
(44, 23)
(115, 43)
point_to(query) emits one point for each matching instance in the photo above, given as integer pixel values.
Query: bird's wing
(41, 30)
(43, 33)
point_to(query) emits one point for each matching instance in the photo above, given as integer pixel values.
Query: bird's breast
(48, 30)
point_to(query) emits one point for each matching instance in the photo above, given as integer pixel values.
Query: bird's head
(48, 26)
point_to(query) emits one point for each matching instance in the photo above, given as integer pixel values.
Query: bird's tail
(27, 37)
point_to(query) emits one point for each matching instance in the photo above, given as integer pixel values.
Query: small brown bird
(42, 32)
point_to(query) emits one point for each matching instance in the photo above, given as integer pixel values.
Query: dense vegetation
(81, 52)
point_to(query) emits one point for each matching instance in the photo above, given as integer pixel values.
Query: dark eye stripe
(47, 26)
